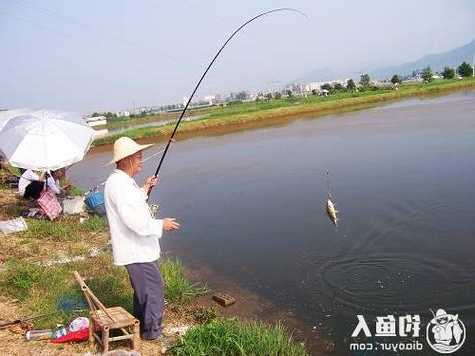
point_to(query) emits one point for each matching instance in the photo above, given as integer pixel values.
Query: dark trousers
(148, 297)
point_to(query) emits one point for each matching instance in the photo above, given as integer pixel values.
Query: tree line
(463, 70)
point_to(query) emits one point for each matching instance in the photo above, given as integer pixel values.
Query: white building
(210, 99)
(96, 121)
(313, 86)
(122, 113)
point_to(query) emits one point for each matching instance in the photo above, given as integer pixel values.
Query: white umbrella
(45, 140)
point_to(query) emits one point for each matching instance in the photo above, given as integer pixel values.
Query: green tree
(326, 86)
(314, 92)
(338, 86)
(289, 93)
(269, 96)
(242, 95)
(364, 80)
(395, 79)
(427, 74)
(277, 95)
(448, 73)
(350, 84)
(465, 70)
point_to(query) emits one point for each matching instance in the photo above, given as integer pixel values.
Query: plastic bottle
(39, 334)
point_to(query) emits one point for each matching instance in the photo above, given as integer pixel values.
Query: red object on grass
(72, 336)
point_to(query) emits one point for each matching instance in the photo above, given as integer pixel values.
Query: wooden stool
(104, 320)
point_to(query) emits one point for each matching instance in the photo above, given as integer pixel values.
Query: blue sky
(109, 54)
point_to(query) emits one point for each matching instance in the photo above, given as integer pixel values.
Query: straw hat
(125, 147)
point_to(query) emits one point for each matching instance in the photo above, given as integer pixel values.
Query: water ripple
(387, 281)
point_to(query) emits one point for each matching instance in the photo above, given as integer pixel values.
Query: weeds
(231, 337)
(113, 288)
(95, 223)
(20, 278)
(205, 315)
(178, 289)
(75, 191)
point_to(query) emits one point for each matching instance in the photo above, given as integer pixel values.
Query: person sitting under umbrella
(53, 182)
(32, 184)
(27, 178)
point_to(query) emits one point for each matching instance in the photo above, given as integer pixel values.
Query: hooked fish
(331, 210)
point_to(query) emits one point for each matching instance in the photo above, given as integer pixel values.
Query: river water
(251, 206)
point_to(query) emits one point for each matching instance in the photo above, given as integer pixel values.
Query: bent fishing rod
(206, 71)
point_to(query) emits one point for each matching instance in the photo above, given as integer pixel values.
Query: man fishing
(135, 234)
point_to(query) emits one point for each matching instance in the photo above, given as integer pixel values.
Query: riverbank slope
(255, 112)
(36, 278)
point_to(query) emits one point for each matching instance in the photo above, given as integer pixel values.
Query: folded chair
(105, 320)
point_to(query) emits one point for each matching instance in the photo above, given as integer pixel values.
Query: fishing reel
(154, 210)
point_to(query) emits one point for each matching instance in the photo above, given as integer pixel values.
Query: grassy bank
(36, 278)
(52, 289)
(124, 122)
(232, 337)
(245, 113)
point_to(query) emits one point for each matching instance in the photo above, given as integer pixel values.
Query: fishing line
(206, 71)
(152, 156)
(328, 184)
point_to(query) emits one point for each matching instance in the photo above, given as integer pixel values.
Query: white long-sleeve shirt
(26, 178)
(134, 232)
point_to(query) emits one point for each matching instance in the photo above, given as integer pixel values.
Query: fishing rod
(206, 71)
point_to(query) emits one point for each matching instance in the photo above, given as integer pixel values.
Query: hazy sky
(106, 55)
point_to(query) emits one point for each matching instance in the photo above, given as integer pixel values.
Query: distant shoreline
(247, 114)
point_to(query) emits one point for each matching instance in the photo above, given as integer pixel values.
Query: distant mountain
(437, 62)
(320, 75)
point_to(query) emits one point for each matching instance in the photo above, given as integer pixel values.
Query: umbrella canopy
(45, 140)
(9, 114)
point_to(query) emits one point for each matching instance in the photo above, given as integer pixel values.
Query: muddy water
(252, 207)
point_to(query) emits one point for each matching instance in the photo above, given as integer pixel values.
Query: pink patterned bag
(49, 204)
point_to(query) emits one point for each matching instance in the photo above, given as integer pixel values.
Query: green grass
(75, 191)
(179, 289)
(40, 290)
(53, 289)
(15, 171)
(66, 228)
(256, 111)
(20, 278)
(230, 337)
(95, 223)
(59, 230)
